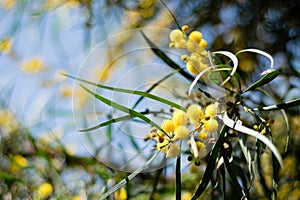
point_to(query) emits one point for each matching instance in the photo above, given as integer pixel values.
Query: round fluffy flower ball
(211, 110)
(196, 36)
(194, 113)
(181, 133)
(174, 151)
(211, 125)
(167, 125)
(176, 35)
(179, 118)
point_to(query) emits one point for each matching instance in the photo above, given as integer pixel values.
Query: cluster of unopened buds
(197, 60)
(194, 125)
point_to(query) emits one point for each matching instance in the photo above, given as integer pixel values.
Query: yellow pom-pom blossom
(211, 110)
(44, 190)
(203, 44)
(162, 145)
(185, 28)
(181, 133)
(194, 44)
(174, 151)
(203, 136)
(195, 114)
(191, 68)
(177, 38)
(168, 126)
(176, 35)
(179, 118)
(196, 36)
(211, 125)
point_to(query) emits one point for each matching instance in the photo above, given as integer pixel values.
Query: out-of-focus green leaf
(106, 123)
(268, 77)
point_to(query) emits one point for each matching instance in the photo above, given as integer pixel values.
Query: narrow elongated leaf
(178, 178)
(239, 127)
(233, 175)
(247, 155)
(210, 165)
(268, 77)
(285, 105)
(130, 177)
(171, 13)
(108, 122)
(135, 92)
(129, 111)
(153, 87)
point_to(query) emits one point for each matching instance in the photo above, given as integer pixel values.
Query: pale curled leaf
(285, 105)
(198, 78)
(261, 53)
(239, 127)
(234, 61)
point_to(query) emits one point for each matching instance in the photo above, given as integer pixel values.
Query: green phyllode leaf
(135, 92)
(268, 77)
(129, 111)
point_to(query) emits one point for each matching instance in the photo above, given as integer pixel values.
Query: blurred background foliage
(42, 155)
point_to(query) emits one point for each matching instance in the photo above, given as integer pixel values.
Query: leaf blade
(135, 92)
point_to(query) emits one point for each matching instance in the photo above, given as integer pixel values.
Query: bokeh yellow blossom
(80, 97)
(76, 198)
(5, 45)
(33, 66)
(5, 117)
(8, 4)
(44, 190)
(7, 120)
(121, 194)
(18, 162)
